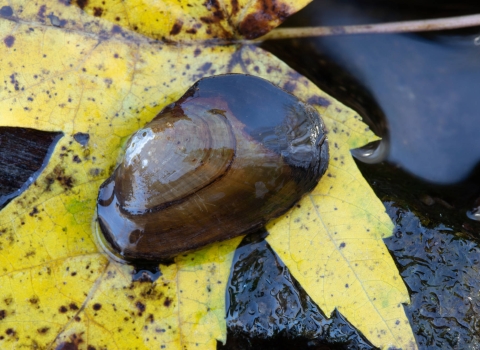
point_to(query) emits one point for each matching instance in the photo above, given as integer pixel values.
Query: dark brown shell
(232, 153)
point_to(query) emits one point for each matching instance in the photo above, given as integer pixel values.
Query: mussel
(233, 152)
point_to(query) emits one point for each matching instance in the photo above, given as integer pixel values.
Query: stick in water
(393, 27)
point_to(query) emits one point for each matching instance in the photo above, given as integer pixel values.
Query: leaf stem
(393, 27)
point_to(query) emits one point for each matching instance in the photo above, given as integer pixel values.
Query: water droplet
(474, 214)
(373, 153)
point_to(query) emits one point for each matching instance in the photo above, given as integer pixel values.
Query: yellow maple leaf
(341, 224)
(66, 70)
(196, 20)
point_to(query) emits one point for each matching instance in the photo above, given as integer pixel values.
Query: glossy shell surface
(232, 153)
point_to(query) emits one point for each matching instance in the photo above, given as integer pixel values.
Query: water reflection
(426, 86)
(474, 214)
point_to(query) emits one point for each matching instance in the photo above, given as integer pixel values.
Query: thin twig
(393, 27)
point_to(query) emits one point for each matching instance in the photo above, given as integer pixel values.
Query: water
(422, 87)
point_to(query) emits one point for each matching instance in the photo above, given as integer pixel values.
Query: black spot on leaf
(318, 100)
(81, 3)
(140, 306)
(206, 67)
(43, 330)
(6, 11)
(9, 40)
(63, 309)
(41, 12)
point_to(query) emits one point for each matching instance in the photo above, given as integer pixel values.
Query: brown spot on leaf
(262, 21)
(63, 309)
(167, 302)
(217, 13)
(235, 7)
(216, 17)
(3, 314)
(97, 11)
(9, 40)
(58, 174)
(10, 331)
(97, 306)
(177, 27)
(80, 3)
(43, 330)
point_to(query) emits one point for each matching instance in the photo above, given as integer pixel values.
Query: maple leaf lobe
(261, 21)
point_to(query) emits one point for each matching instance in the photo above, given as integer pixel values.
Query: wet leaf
(332, 243)
(67, 71)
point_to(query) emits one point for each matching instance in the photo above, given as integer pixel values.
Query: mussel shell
(232, 153)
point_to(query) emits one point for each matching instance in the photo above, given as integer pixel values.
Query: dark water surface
(425, 86)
